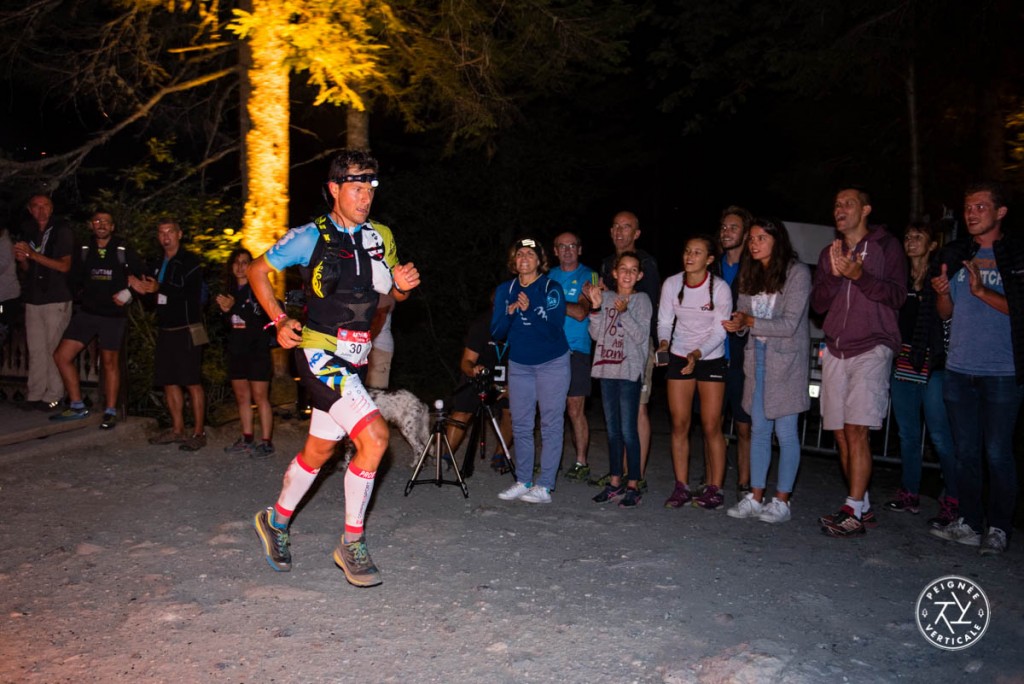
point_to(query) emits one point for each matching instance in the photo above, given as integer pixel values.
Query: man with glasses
(572, 275)
(100, 278)
(44, 257)
(346, 262)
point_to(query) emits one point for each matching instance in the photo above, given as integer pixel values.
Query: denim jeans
(785, 428)
(545, 384)
(621, 399)
(983, 412)
(908, 400)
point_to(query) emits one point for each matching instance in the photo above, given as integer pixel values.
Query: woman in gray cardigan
(772, 310)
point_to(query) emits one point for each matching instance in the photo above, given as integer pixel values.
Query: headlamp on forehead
(527, 242)
(370, 178)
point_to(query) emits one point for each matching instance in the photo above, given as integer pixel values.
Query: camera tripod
(482, 417)
(434, 444)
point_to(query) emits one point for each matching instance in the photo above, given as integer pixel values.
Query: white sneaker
(960, 532)
(536, 494)
(775, 512)
(994, 542)
(514, 492)
(746, 508)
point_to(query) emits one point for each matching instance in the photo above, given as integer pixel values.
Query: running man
(346, 261)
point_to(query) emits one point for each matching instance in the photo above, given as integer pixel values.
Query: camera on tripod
(483, 384)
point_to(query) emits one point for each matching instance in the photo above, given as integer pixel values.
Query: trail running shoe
(867, 518)
(275, 541)
(354, 560)
(239, 447)
(194, 443)
(168, 436)
(631, 499)
(109, 421)
(843, 524)
(710, 499)
(994, 542)
(609, 494)
(641, 485)
(602, 481)
(949, 510)
(680, 496)
(958, 531)
(262, 450)
(579, 472)
(746, 508)
(904, 501)
(70, 414)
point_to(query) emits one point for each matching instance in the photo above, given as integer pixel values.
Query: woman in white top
(692, 306)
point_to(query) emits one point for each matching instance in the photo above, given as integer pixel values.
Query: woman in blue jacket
(529, 312)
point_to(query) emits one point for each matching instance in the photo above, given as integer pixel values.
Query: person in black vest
(177, 282)
(100, 277)
(346, 262)
(44, 257)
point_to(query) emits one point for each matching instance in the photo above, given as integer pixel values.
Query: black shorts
(734, 379)
(467, 398)
(579, 383)
(252, 365)
(109, 330)
(712, 370)
(178, 361)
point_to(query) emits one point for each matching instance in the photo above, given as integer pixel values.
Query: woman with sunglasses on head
(692, 306)
(775, 290)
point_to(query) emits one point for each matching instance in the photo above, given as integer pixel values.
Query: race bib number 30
(353, 346)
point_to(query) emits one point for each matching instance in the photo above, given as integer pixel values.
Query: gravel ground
(126, 562)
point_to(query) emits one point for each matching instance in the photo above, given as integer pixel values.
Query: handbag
(198, 333)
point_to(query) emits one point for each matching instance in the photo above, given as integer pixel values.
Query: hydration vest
(339, 281)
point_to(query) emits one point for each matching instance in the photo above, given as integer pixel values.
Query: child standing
(620, 325)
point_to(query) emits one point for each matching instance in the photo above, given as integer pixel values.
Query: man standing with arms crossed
(860, 284)
(347, 261)
(625, 231)
(981, 287)
(572, 275)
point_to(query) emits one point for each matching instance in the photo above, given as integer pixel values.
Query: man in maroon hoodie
(860, 284)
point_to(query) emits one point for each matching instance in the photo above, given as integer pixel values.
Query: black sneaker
(275, 541)
(355, 561)
(631, 499)
(609, 494)
(109, 421)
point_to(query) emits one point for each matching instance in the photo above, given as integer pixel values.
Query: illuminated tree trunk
(357, 129)
(266, 141)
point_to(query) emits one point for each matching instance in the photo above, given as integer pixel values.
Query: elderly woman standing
(775, 290)
(529, 311)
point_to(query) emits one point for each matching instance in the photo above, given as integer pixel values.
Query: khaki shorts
(855, 391)
(645, 389)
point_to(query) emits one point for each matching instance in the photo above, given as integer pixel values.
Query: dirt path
(125, 562)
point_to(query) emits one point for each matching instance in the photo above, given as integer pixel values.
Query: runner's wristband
(280, 317)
